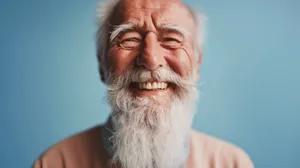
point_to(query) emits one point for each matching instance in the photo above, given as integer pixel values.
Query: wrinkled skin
(150, 15)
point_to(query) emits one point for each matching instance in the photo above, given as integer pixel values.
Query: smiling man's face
(151, 35)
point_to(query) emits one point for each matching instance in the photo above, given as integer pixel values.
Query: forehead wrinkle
(155, 11)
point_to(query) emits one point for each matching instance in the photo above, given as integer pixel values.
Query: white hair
(106, 9)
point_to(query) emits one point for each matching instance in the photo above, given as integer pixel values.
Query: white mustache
(143, 75)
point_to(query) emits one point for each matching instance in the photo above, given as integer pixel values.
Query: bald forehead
(149, 4)
(160, 11)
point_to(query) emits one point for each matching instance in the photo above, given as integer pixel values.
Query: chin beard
(147, 134)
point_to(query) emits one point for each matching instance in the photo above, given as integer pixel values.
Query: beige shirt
(85, 150)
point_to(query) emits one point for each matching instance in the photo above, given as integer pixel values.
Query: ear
(102, 75)
(101, 68)
(198, 62)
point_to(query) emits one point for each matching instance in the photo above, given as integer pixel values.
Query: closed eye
(171, 43)
(131, 39)
(170, 39)
(130, 43)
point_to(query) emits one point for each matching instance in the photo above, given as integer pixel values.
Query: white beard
(149, 135)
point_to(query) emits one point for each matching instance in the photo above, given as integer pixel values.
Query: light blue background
(50, 86)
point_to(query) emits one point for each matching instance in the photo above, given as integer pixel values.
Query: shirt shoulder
(80, 150)
(212, 152)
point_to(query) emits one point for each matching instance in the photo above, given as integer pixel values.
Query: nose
(151, 56)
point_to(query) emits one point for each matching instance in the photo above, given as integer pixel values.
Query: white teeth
(152, 86)
(159, 85)
(149, 86)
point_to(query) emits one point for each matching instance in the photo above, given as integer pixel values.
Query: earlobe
(199, 61)
(197, 76)
(101, 74)
(101, 69)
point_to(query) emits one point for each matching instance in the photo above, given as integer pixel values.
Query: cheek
(119, 60)
(181, 62)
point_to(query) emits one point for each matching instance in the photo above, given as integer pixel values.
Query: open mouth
(161, 89)
(149, 86)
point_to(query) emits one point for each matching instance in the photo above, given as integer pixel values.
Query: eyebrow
(122, 28)
(175, 28)
(132, 25)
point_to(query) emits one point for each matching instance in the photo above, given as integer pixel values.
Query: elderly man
(149, 54)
